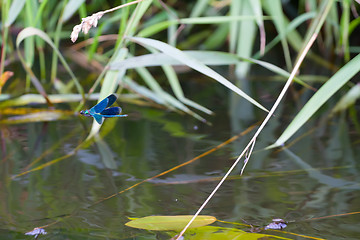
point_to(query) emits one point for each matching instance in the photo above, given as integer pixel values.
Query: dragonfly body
(103, 110)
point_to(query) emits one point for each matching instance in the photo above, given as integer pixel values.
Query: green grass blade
(320, 97)
(30, 31)
(153, 29)
(136, 17)
(348, 99)
(235, 8)
(193, 63)
(257, 10)
(296, 22)
(170, 101)
(175, 85)
(111, 81)
(205, 57)
(218, 37)
(245, 42)
(199, 8)
(344, 27)
(15, 9)
(275, 9)
(71, 7)
(143, 91)
(113, 78)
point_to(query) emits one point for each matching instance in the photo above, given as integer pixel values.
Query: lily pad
(167, 223)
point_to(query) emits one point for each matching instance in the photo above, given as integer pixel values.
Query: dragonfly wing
(111, 111)
(98, 108)
(112, 98)
(106, 102)
(98, 118)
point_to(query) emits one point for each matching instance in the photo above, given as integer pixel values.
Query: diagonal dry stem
(252, 141)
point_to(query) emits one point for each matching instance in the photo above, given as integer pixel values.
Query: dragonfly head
(85, 113)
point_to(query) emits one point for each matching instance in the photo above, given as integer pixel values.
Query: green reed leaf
(319, 98)
(193, 63)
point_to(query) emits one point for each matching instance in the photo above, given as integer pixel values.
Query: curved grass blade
(205, 57)
(141, 90)
(170, 101)
(31, 31)
(320, 97)
(193, 63)
(175, 85)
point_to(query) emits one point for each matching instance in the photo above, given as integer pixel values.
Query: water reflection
(307, 178)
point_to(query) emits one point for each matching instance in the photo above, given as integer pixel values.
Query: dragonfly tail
(111, 116)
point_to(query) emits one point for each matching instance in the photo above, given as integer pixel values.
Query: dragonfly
(103, 110)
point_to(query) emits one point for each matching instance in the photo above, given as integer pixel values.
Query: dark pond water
(317, 176)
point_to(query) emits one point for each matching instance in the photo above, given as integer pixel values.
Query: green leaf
(167, 223)
(193, 63)
(320, 97)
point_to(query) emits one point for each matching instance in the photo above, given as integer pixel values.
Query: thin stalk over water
(253, 140)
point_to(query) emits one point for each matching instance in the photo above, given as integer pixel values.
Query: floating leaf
(167, 223)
